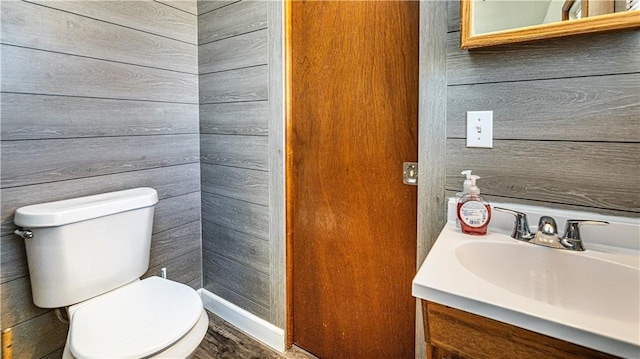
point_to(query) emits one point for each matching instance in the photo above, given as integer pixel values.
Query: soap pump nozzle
(466, 186)
(473, 188)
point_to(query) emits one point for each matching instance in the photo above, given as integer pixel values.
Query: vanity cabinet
(454, 334)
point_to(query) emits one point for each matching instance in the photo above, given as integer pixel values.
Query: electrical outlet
(480, 129)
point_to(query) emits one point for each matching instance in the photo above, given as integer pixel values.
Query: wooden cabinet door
(354, 108)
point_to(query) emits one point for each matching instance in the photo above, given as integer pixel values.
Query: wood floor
(225, 341)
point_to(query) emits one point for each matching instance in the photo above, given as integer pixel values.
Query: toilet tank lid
(68, 211)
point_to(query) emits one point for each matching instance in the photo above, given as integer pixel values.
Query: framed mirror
(498, 22)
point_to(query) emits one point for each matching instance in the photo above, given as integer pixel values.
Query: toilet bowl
(154, 317)
(88, 254)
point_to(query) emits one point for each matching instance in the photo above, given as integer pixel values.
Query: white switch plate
(480, 129)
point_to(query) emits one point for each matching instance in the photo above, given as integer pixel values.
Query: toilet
(87, 254)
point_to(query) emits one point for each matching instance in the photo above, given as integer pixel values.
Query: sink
(571, 280)
(588, 298)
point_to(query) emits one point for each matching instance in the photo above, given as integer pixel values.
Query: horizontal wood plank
(39, 336)
(182, 269)
(42, 161)
(56, 354)
(231, 20)
(601, 108)
(16, 302)
(248, 84)
(239, 183)
(570, 207)
(176, 211)
(242, 280)
(239, 118)
(241, 248)
(234, 52)
(236, 151)
(31, 25)
(30, 117)
(174, 242)
(147, 16)
(168, 181)
(572, 56)
(453, 15)
(13, 258)
(189, 6)
(235, 298)
(210, 5)
(241, 216)
(42, 72)
(600, 175)
(195, 283)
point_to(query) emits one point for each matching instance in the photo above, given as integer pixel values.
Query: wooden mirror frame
(607, 22)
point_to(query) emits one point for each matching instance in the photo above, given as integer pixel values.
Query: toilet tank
(87, 246)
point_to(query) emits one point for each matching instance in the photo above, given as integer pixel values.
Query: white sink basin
(571, 280)
(589, 298)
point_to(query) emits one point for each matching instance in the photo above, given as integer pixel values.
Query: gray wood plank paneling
(174, 242)
(239, 118)
(432, 126)
(572, 56)
(236, 299)
(600, 174)
(168, 181)
(195, 283)
(148, 16)
(189, 6)
(248, 84)
(16, 302)
(235, 19)
(235, 52)
(183, 269)
(501, 199)
(13, 258)
(240, 279)
(56, 354)
(453, 15)
(601, 108)
(50, 29)
(277, 189)
(42, 161)
(236, 151)
(239, 183)
(241, 216)
(30, 117)
(51, 73)
(176, 211)
(210, 5)
(241, 248)
(38, 337)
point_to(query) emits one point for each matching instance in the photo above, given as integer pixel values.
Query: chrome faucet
(547, 233)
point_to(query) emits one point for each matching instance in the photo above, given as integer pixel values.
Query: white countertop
(545, 290)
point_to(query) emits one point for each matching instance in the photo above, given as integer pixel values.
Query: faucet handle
(521, 229)
(572, 228)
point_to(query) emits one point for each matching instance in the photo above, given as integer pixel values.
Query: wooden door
(353, 108)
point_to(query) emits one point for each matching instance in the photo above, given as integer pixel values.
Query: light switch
(480, 129)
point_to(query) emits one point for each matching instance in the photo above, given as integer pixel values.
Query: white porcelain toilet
(88, 254)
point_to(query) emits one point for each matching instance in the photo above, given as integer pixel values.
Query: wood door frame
(431, 150)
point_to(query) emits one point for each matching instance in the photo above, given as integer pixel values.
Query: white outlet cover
(480, 129)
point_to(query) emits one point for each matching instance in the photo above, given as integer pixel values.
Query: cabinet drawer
(468, 335)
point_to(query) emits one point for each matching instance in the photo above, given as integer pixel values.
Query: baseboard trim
(252, 325)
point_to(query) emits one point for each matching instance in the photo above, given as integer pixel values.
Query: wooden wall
(97, 96)
(566, 124)
(234, 138)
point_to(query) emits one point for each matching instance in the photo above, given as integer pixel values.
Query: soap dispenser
(474, 212)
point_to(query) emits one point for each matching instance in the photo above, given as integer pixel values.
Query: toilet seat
(135, 321)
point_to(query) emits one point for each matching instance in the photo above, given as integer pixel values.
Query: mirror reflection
(498, 15)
